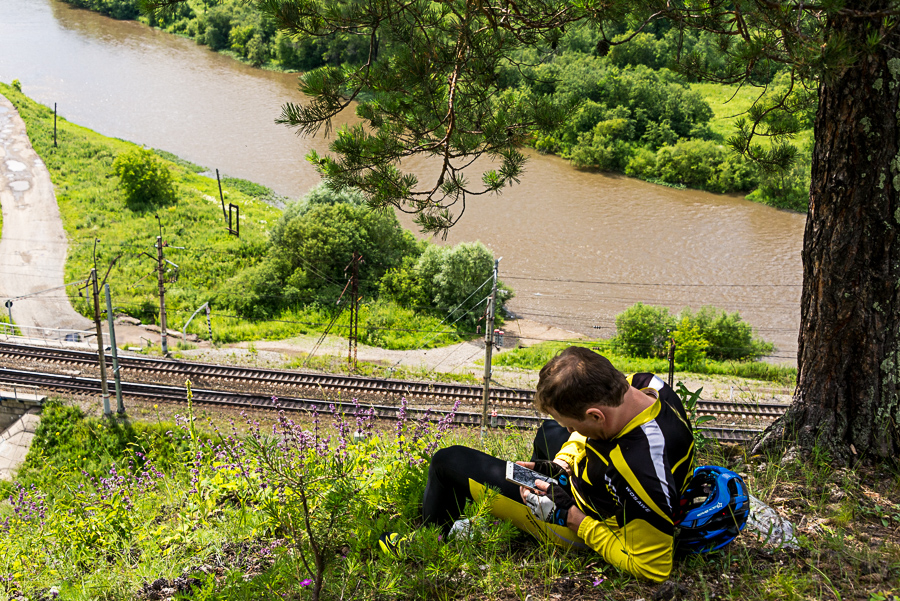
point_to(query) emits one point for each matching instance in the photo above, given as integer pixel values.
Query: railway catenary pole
(160, 268)
(489, 347)
(353, 334)
(104, 387)
(120, 406)
(671, 362)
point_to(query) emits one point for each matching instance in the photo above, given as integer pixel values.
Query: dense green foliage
(310, 253)
(66, 438)
(117, 9)
(239, 28)
(634, 119)
(453, 280)
(309, 258)
(644, 331)
(635, 115)
(145, 179)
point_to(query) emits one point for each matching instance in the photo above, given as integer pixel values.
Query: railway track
(239, 400)
(288, 383)
(207, 373)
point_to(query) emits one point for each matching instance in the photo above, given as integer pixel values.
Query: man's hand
(550, 504)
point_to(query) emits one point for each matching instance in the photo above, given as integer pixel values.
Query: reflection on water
(577, 247)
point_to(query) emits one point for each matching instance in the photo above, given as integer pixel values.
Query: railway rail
(284, 383)
(238, 400)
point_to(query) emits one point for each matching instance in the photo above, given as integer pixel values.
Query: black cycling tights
(451, 469)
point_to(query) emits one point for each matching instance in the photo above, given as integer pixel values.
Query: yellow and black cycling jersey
(629, 486)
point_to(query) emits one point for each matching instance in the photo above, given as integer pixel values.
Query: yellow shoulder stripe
(647, 415)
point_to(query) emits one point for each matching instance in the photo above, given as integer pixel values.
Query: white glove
(541, 506)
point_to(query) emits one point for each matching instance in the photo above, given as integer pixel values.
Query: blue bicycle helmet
(712, 512)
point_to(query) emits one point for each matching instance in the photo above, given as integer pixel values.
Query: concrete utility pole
(489, 346)
(161, 266)
(353, 337)
(102, 355)
(671, 362)
(120, 406)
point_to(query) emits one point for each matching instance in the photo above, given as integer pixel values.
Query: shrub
(121, 9)
(453, 280)
(146, 180)
(690, 345)
(729, 337)
(311, 246)
(218, 28)
(785, 189)
(642, 164)
(403, 285)
(642, 331)
(239, 37)
(706, 165)
(642, 49)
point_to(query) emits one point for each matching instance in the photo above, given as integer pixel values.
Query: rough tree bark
(846, 401)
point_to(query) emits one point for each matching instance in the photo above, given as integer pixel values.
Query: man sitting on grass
(621, 448)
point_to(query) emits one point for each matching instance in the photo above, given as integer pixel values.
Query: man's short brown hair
(577, 379)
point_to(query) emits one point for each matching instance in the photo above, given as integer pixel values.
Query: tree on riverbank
(441, 96)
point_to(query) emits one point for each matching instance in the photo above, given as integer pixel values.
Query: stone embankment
(19, 419)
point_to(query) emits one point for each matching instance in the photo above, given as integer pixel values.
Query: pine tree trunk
(846, 400)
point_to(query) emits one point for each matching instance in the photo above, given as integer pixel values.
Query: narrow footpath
(33, 244)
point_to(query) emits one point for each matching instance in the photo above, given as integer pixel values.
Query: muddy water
(577, 247)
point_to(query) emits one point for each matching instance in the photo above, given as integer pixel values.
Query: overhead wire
(652, 284)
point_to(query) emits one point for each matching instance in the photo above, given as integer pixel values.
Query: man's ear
(596, 414)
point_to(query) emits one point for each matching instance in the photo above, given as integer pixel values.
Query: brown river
(577, 247)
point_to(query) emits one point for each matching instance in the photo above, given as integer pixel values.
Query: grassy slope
(536, 356)
(729, 103)
(94, 209)
(93, 548)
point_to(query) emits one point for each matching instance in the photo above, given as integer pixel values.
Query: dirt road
(33, 244)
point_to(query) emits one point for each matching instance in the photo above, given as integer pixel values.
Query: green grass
(730, 103)
(94, 211)
(534, 357)
(4, 319)
(94, 534)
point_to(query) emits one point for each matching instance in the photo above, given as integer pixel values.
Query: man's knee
(447, 457)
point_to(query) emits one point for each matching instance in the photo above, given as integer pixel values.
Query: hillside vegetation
(285, 275)
(107, 509)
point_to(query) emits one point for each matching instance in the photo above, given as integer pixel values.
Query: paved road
(33, 243)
